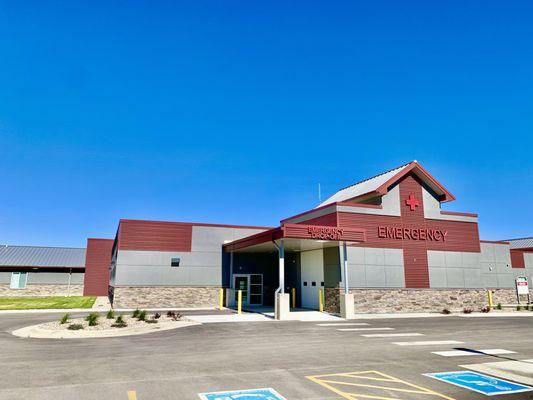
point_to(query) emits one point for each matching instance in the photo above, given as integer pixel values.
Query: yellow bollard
(293, 291)
(320, 300)
(239, 301)
(491, 302)
(221, 298)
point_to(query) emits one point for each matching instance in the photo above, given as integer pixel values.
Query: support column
(281, 250)
(346, 299)
(282, 309)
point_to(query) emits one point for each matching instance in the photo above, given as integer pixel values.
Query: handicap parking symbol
(480, 383)
(249, 394)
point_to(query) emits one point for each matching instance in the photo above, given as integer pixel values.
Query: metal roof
(521, 243)
(363, 187)
(37, 256)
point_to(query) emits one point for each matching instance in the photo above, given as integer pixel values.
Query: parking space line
(345, 324)
(427, 343)
(132, 395)
(385, 335)
(365, 329)
(465, 353)
(371, 391)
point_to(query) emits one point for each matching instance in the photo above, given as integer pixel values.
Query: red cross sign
(412, 202)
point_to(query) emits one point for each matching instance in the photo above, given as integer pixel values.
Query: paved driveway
(291, 357)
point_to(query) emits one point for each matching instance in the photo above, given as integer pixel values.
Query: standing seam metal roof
(36, 256)
(522, 243)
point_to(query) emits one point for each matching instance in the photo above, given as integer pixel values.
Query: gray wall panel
(131, 275)
(437, 277)
(395, 276)
(375, 276)
(46, 278)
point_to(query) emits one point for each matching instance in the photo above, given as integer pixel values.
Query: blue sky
(234, 111)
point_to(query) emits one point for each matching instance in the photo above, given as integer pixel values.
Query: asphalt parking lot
(291, 357)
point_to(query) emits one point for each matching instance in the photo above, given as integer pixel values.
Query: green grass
(30, 303)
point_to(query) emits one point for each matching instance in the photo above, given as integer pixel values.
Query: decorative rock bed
(56, 330)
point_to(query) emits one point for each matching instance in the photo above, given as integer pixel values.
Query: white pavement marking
(344, 324)
(365, 329)
(428, 343)
(518, 371)
(392, 335)
(461, 353)
(207, 319)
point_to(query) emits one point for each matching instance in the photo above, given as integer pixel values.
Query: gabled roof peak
(378, 185)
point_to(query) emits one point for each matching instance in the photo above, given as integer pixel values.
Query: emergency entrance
(251, 287)
(294, 262)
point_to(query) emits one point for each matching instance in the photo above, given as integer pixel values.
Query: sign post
(522, 288)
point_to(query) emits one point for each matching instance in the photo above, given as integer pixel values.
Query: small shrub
(119, 325)
(64, 319)
(151, 321)
(136, 313)
(485, 309)
(92, 319)
(110, 314)
(142, 315)
(75, 327)
(518, 308)
(499, 306)
(446, 311)
(120, 320)
(157, 315)
(174, 315)
(467, 311)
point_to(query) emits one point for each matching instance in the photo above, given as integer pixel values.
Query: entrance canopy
(296, 237)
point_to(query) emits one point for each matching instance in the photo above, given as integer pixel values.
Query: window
(18, 280)
(175, 262)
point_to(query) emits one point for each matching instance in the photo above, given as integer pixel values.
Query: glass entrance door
(241, 283)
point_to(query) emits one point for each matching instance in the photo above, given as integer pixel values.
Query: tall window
(18, 280)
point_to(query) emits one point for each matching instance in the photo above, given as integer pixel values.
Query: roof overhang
(297, 237)
(443, 194)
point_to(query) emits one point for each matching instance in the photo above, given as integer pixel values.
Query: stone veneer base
(165, 297)
(41, 290)
(417, 300)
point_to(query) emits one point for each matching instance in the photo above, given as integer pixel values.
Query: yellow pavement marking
(132, 395)
(376, 387)
(338, 387)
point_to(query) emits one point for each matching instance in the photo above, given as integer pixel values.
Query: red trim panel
(517, 257)
(97, 263)
(258, 238)
(494, 241)
(461, 214)
(328, 220)
(202, 224)
(155, 236)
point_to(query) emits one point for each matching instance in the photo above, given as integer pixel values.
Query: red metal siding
(370, 223)
(155, 236)
(517, 257)
(97, 262)
(328, 220)
(415, 252)
(461, 236)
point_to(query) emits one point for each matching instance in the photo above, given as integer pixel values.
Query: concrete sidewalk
(88, 310)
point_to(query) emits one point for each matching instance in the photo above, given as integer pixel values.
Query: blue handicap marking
(249, 394)
(480, 383)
